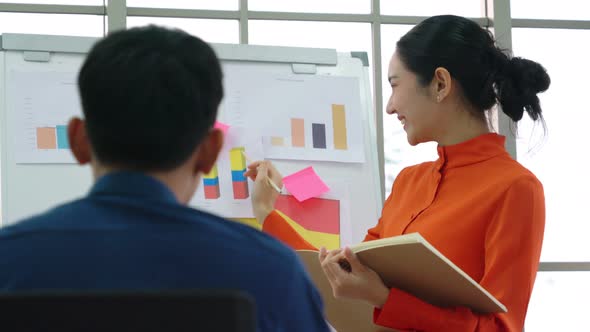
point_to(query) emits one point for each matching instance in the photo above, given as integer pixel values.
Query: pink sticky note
(222, 126)
(305, 184)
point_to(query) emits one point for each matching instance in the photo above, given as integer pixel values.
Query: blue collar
(132, 184)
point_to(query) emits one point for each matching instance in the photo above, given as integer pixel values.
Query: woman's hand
(263, 195)
(349, 278)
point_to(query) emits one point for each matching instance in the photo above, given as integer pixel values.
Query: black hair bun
(529, 75)
(517, 87)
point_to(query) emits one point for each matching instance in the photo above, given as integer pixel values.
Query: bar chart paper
(41, 104)
(300, 117)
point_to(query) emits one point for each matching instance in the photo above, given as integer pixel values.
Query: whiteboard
(31, 188)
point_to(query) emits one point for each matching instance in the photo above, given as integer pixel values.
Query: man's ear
(442, 84)
(208, 151)
(78, 140)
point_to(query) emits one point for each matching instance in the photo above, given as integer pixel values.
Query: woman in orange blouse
(475, 204)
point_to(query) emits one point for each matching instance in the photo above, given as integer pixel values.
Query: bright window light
(52, 24)
(62, 2)
(186, 4)
(559, 302)
(312, 6)
(212, 31)
(467, 8)
(556, 10)
(559, 159)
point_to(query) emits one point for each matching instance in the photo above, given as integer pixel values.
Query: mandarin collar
(472, 151)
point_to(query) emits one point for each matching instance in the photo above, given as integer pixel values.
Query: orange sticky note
(305, 184)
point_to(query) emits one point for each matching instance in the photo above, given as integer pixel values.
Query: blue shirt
(130, 232)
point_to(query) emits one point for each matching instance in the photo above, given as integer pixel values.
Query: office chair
(114, 311)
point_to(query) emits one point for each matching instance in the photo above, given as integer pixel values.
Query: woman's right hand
(349, 278)
(263, 195)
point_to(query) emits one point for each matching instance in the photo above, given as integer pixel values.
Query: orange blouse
(481, 209)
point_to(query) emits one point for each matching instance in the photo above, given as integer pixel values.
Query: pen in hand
(270, 182)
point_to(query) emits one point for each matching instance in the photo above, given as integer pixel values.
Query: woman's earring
(438, 98)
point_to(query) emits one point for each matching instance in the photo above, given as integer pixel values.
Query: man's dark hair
(149, 96)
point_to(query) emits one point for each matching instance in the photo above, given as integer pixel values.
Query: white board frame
(32, 188)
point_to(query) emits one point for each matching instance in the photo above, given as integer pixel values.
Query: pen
(270, 182)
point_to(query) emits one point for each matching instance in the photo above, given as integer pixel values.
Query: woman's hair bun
(517, 85)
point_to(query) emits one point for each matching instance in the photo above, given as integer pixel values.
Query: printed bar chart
(51, 138)
(319, 135)
(62, 137)
(277, 141)
(46, 138)
(319, 132)
(211, 184)
(316, 219)
(298, 133)
(339, 123)
(238, 167)
(312, 121)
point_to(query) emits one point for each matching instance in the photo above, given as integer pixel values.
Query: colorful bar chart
(238, 167)
(339, 123)
(211, 184)
(277, 141)
(62, 137)
(46, 138)
(316, 219)
(319, 135)
(51, 138)
(298, 133)
(319, 132)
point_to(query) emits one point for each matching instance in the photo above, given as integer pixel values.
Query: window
(62, 2)
(564, 9)
(52, 24)
(212, 31)
(559, 302)
(312, 6)
(185, 4)
(468, 8)
(559, 159)
(341, 36)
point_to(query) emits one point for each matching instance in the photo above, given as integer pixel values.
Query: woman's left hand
(360, 283)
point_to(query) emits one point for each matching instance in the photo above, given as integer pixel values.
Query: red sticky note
(305, 184)
(222, 126)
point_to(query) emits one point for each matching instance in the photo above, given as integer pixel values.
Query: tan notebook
(408, 262)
